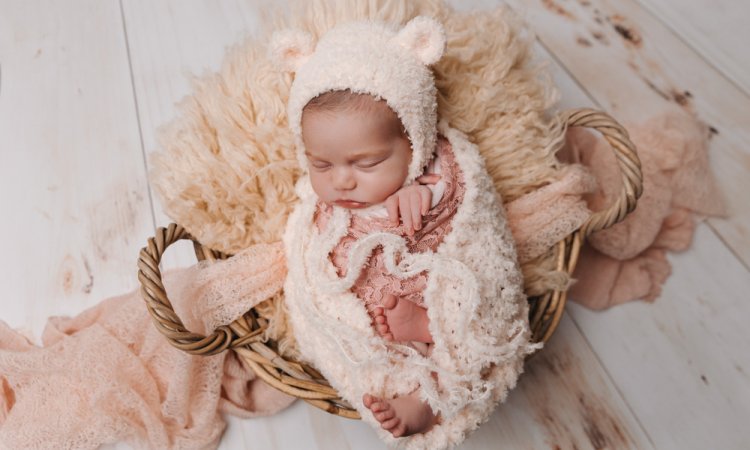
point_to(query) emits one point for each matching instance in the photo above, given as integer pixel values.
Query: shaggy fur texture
(226, 169)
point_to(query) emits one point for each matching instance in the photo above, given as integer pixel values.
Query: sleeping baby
(403, 286)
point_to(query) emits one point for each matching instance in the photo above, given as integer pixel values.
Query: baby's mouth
(350, 204)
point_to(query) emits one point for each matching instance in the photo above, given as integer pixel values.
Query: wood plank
(717, 29)
(73, 181)
(192, 39)
(169, 43)
(682, 362)
(662, 357)
(567, 397)
(554, 401)
(648, 69)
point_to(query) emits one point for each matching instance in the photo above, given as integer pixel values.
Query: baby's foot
(402, 416)
(401, 320)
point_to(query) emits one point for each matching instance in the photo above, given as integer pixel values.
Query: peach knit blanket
(108, 375)
(627, 261)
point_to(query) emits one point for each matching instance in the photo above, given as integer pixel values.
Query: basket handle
(158, 304)
(627, 159)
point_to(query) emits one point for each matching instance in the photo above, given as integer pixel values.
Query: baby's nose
(343, 179)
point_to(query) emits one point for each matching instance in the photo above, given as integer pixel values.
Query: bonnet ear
(424, 37)
(289, 49)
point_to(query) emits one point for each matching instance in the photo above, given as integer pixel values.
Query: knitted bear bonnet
(368, 57)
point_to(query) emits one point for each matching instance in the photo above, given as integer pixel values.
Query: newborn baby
(403, 287)
(358, 153)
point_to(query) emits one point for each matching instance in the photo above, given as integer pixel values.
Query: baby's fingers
(416, 210)
(391, 205)
(403, 207)
(426, 197)
(429, 178)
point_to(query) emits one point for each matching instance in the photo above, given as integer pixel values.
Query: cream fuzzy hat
(368, 57)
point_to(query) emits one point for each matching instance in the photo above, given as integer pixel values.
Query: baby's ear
(289, 49)
(424, 37)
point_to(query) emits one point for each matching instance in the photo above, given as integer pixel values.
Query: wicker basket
(245, 335)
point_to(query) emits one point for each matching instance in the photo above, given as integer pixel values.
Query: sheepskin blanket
(475, 302)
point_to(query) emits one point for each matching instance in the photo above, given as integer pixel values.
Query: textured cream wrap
(474, 297)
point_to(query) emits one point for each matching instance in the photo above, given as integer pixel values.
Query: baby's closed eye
(320, 165)
(369, 163)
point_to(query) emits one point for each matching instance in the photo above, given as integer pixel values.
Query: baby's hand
(410, 203)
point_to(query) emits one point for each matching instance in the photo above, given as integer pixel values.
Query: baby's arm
(410, 203)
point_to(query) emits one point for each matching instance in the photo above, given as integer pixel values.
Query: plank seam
(138, 115)
(736, 255)
(612, 381)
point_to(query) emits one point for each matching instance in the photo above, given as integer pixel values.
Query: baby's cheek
(320, 185)
(395, 177)
(382, 184)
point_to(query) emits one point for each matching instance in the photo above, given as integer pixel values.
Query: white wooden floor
(84, 84)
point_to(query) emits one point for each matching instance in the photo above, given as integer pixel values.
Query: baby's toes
(382, 329)
(389, 302)
(398, 430)
(380, 407)
(375, 312)
(385, 415)
(380, 319)
(390, 424)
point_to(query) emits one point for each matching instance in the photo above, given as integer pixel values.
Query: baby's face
(356, 158)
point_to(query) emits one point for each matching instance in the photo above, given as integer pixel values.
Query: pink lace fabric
(108, 375)
(374, 282)
(628, 261)
(540, 219)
